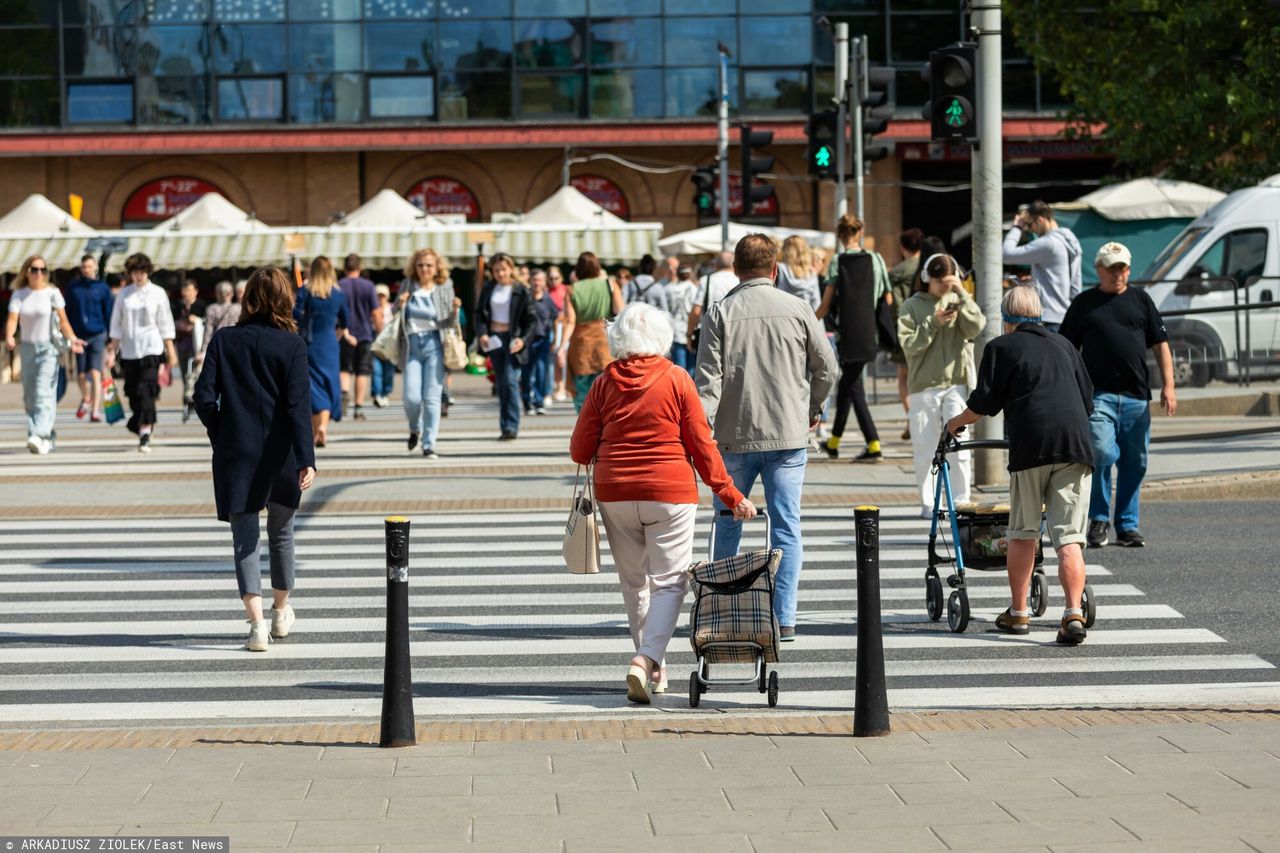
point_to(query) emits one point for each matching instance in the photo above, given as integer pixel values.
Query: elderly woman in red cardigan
(644, 427)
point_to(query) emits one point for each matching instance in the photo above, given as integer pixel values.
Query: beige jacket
(936, 355)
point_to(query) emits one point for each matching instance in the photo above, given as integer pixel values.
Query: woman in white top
(795, 271)
(37, 306)
(428, 305)
(142, 334)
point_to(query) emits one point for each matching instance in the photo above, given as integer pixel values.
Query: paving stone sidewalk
(1088, 780)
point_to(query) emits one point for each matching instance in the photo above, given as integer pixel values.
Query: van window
(1174, 252)
(1239, 256)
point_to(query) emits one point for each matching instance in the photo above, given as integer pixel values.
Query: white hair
(640, 329)
(1021, 300)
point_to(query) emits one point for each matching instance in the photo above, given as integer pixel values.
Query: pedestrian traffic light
(952, 111)
(754, 192)
(876, 112)
(704, 194)
(824, 134)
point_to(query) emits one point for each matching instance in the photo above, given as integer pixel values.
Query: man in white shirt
(721, 281)
(142, 332)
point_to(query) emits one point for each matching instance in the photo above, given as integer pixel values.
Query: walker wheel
(933, 597)
(764, 677)
(958, 611)
(1039, 597)
(773, 689)
(695, 693)
(1088, 606)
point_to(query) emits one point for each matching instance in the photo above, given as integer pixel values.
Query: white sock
(1019, 613)
(1072, 611)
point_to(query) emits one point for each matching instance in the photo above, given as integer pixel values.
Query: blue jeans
(1121, 431)
(682, 357)
(384, 378)
(39, 386)
(506, 377)
(782, 473)
(535, 383)
(423, 383)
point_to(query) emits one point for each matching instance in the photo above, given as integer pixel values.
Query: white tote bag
(581, 547)
(389, 345)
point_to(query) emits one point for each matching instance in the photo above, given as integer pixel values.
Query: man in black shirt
(1114, 325)
(1038, 379)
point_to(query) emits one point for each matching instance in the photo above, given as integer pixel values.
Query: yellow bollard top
(395, 519)
(867, 507)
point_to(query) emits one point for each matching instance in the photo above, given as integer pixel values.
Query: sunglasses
(38, 270)
(428, 264)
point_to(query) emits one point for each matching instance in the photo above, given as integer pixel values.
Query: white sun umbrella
(1149, 198)
(37, 226)
(706, 240)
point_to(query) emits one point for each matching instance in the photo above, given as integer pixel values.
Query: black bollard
(397, 678)
(870, 700)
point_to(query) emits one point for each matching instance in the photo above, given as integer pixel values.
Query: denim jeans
(782, 473)
(39, 386)
(506, 378)
(384, 378)
(423, 383)
(535, 383)
(682, 357)
(1121, 431)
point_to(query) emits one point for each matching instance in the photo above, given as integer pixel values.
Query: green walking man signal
(955, 113)
(822, 157)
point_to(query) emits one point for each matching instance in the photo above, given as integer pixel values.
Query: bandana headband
(1017, 321)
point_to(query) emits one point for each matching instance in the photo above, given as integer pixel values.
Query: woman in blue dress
(321, 312)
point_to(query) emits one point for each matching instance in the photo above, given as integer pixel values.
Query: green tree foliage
(1187, 89)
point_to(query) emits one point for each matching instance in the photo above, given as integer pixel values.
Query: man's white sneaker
(282, 621)
(35, 444)
(258, 639)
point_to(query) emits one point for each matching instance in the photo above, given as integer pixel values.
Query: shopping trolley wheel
(958, 611)
(695, 690)
(933, 597)
(1039, 598)
(773, 689)
(764, 677)
(1089, 606)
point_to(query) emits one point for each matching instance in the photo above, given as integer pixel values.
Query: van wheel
(1187, 371)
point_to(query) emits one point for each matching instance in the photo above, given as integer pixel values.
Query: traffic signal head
(953, 93)
(753, 191)
(824, 134)
(704, 193)
(876, 112)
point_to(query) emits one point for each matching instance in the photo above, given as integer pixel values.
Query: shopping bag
(389, 345)
(581, 547)
(111, 408)
(455, 348)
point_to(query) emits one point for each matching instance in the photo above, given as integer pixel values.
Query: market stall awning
(211, 212)
(706, 240)
(387, 209)
(37, 226)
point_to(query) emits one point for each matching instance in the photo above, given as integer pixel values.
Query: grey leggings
(245, 533)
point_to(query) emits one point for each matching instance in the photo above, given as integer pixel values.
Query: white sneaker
(282, 621)
(547, 402)
(35, 444)
(258, 639)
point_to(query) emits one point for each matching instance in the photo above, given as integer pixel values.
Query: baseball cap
(383, 290)
(1111, 254)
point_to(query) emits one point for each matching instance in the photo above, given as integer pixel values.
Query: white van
(1230, 255)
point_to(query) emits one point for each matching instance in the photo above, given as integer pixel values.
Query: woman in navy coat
(254, 398)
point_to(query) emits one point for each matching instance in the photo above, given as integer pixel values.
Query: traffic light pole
(842, 117)
(858, 93)
(988, 191)
(722, 148)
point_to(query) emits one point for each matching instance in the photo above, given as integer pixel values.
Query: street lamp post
(842, 118)
(722, 145)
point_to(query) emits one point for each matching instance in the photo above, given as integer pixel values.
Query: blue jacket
(89, 303)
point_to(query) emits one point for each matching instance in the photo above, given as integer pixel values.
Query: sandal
(638, 684)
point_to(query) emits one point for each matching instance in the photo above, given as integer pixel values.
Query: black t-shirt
(1040, 382)
(1113, 332)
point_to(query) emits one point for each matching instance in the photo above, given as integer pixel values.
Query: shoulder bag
(389, 345)
(581, 547)
(455, 347)
(696, 335)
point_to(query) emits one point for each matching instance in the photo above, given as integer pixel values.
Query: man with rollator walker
(1039, 380)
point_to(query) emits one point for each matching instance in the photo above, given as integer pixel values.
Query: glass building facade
(176, 63)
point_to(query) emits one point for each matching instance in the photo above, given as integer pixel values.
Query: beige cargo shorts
(1062, 490)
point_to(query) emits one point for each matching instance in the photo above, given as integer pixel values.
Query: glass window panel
(248, 48)
(324, 47)
(911, 91)
(600, 8)
(554, 43)
(848, 5)
(924, 6)
(626, 94)
(403, 46)
(872, 26)
(324, 10)
(173, 100)
(402, 97)
(29, 52)
(99, 103)
(29, 103)
(404, 9)
(1019, 85)
(172, 51)
(692, 41)
(550, 94)
(914, 36)
(550, 8)
(625, 41)
(1051, 97)
(316, 98)
(695, 92)
(248, 10)
(251, 100)
(175, 11)
(101, 52)
(775, 91)
(481, 44)
(701, 7)
(782, 40)
(773, 7)
(461, 9)
(472, 94)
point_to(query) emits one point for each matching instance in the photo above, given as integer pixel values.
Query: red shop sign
(603, 192)
(158, 200)
(767, 208)
(444, 195)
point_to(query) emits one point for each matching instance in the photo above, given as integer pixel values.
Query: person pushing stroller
(1040, 381)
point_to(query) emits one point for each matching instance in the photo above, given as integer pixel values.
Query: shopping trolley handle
(760, 511)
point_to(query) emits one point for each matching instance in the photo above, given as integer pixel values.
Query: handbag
(389, 345)
(455, 347)
(581, 547)
(59, 340)
(696, 335)
(112, 410)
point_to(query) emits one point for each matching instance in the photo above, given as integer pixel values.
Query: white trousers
(652, 547)
(930, 411)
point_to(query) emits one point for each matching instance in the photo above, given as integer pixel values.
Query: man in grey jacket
(764, 370)
(1054, 257)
